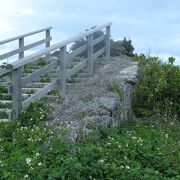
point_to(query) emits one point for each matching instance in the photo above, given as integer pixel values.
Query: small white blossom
(28, 161)
(39, 164)
(101, 160)
(37, 154)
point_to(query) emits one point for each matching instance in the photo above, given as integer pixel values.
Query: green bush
(134, 151)
(158, 88)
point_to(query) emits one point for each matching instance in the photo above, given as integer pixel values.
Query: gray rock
(91, 101)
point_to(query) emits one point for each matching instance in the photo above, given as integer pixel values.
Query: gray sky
(153, 25)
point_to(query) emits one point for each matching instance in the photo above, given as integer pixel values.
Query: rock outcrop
(104, 98)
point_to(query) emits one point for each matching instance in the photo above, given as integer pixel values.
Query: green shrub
(158, 88)
(36, 112)
(134, 151)
(42, 62)
(3, 89)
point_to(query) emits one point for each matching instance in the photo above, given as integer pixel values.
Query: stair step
(5, 101)
(4, 83)
(30, 90)
(36, 85)
(4, 120)
(5, 110)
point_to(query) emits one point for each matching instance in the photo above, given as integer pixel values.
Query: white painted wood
(62, 70)
(98, 53)
(63, 74)
(5, 120)
(4, 73)
(76, 68)
(21, 45)
(24, 35)
(40, 93)
(48, 42)
(24, 48)
(107, 42)
(52, 48)
(17, 92)
(99, 39)
(90, 54)
(35, 75)
(76, 52)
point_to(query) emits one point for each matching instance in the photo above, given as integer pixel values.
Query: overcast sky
(153, 25)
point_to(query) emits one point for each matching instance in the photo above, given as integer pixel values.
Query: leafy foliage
(135, 151)
(36, 112)
(158, 87)
(122, 47)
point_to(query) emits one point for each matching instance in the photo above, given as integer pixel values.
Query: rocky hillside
(104, 98)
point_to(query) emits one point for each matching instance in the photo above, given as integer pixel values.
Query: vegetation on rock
(158, 88)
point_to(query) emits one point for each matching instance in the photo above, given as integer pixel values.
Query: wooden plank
(5, 110)
(24, 35)
(17, 92)
(4, 73)
(76, 52)
(5, 101)
(90, 54)
(21, 45)
(52, 48)
(98, 53)
(4, 120)
(35, 75)
(22, 49)
(62, 70)
(99, 39)
(48, 42)
(107, 51)
(76, 68)
(40, 93)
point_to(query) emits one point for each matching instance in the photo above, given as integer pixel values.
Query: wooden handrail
(24, 35)
(59, 63)
(35, 56)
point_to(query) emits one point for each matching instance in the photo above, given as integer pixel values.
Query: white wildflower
(39, 164)
(28, 161)
(101, 160)
(37, 154)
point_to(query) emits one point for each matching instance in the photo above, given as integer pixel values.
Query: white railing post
(17, 85)
(48, 43)
(107, 46)
(90, 54)
(21, 44)
(62, 70)
(17, 91)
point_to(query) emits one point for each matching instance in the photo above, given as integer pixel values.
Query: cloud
(26, 12)
(151, 24)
